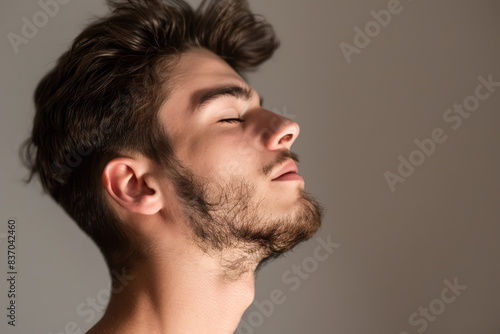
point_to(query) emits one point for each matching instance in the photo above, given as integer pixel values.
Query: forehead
(200, 69)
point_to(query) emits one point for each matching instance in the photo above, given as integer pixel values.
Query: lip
(287, 172)
(289, 177)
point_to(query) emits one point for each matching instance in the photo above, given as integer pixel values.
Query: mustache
(282, 157)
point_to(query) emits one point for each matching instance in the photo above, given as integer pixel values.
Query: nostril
(287, 137)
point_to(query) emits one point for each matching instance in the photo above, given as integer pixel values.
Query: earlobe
(127, 182)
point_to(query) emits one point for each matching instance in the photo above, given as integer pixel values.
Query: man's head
(147, 115)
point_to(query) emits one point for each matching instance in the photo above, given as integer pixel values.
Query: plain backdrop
(395, 251)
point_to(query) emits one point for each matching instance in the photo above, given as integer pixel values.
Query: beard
(229, 220)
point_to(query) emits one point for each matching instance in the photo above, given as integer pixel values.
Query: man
(150, 139)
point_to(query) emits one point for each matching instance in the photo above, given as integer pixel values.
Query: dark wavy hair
(103, 96)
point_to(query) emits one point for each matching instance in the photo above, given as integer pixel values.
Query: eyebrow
(208, 96)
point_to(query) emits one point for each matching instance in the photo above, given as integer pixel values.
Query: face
(233, 152)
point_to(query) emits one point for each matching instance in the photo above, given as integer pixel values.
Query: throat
(197, 297)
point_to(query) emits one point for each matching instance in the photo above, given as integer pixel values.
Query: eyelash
(231, 120)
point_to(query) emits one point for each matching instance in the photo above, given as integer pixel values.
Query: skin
(188, 285)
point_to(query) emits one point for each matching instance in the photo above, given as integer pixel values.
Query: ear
(130, 182)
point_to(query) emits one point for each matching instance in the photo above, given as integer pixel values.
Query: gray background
(396, 248)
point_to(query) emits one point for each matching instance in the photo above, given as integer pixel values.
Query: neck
(179, 292)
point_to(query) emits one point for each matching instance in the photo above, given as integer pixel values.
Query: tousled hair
(103, 96)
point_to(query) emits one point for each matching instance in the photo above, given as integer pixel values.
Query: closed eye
(232, 120)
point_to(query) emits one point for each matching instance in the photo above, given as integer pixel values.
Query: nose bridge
(278, 132)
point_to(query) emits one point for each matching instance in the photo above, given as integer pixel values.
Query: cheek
(226, 156)
(219, 151)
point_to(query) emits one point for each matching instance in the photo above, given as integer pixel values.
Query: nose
(279, 132)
